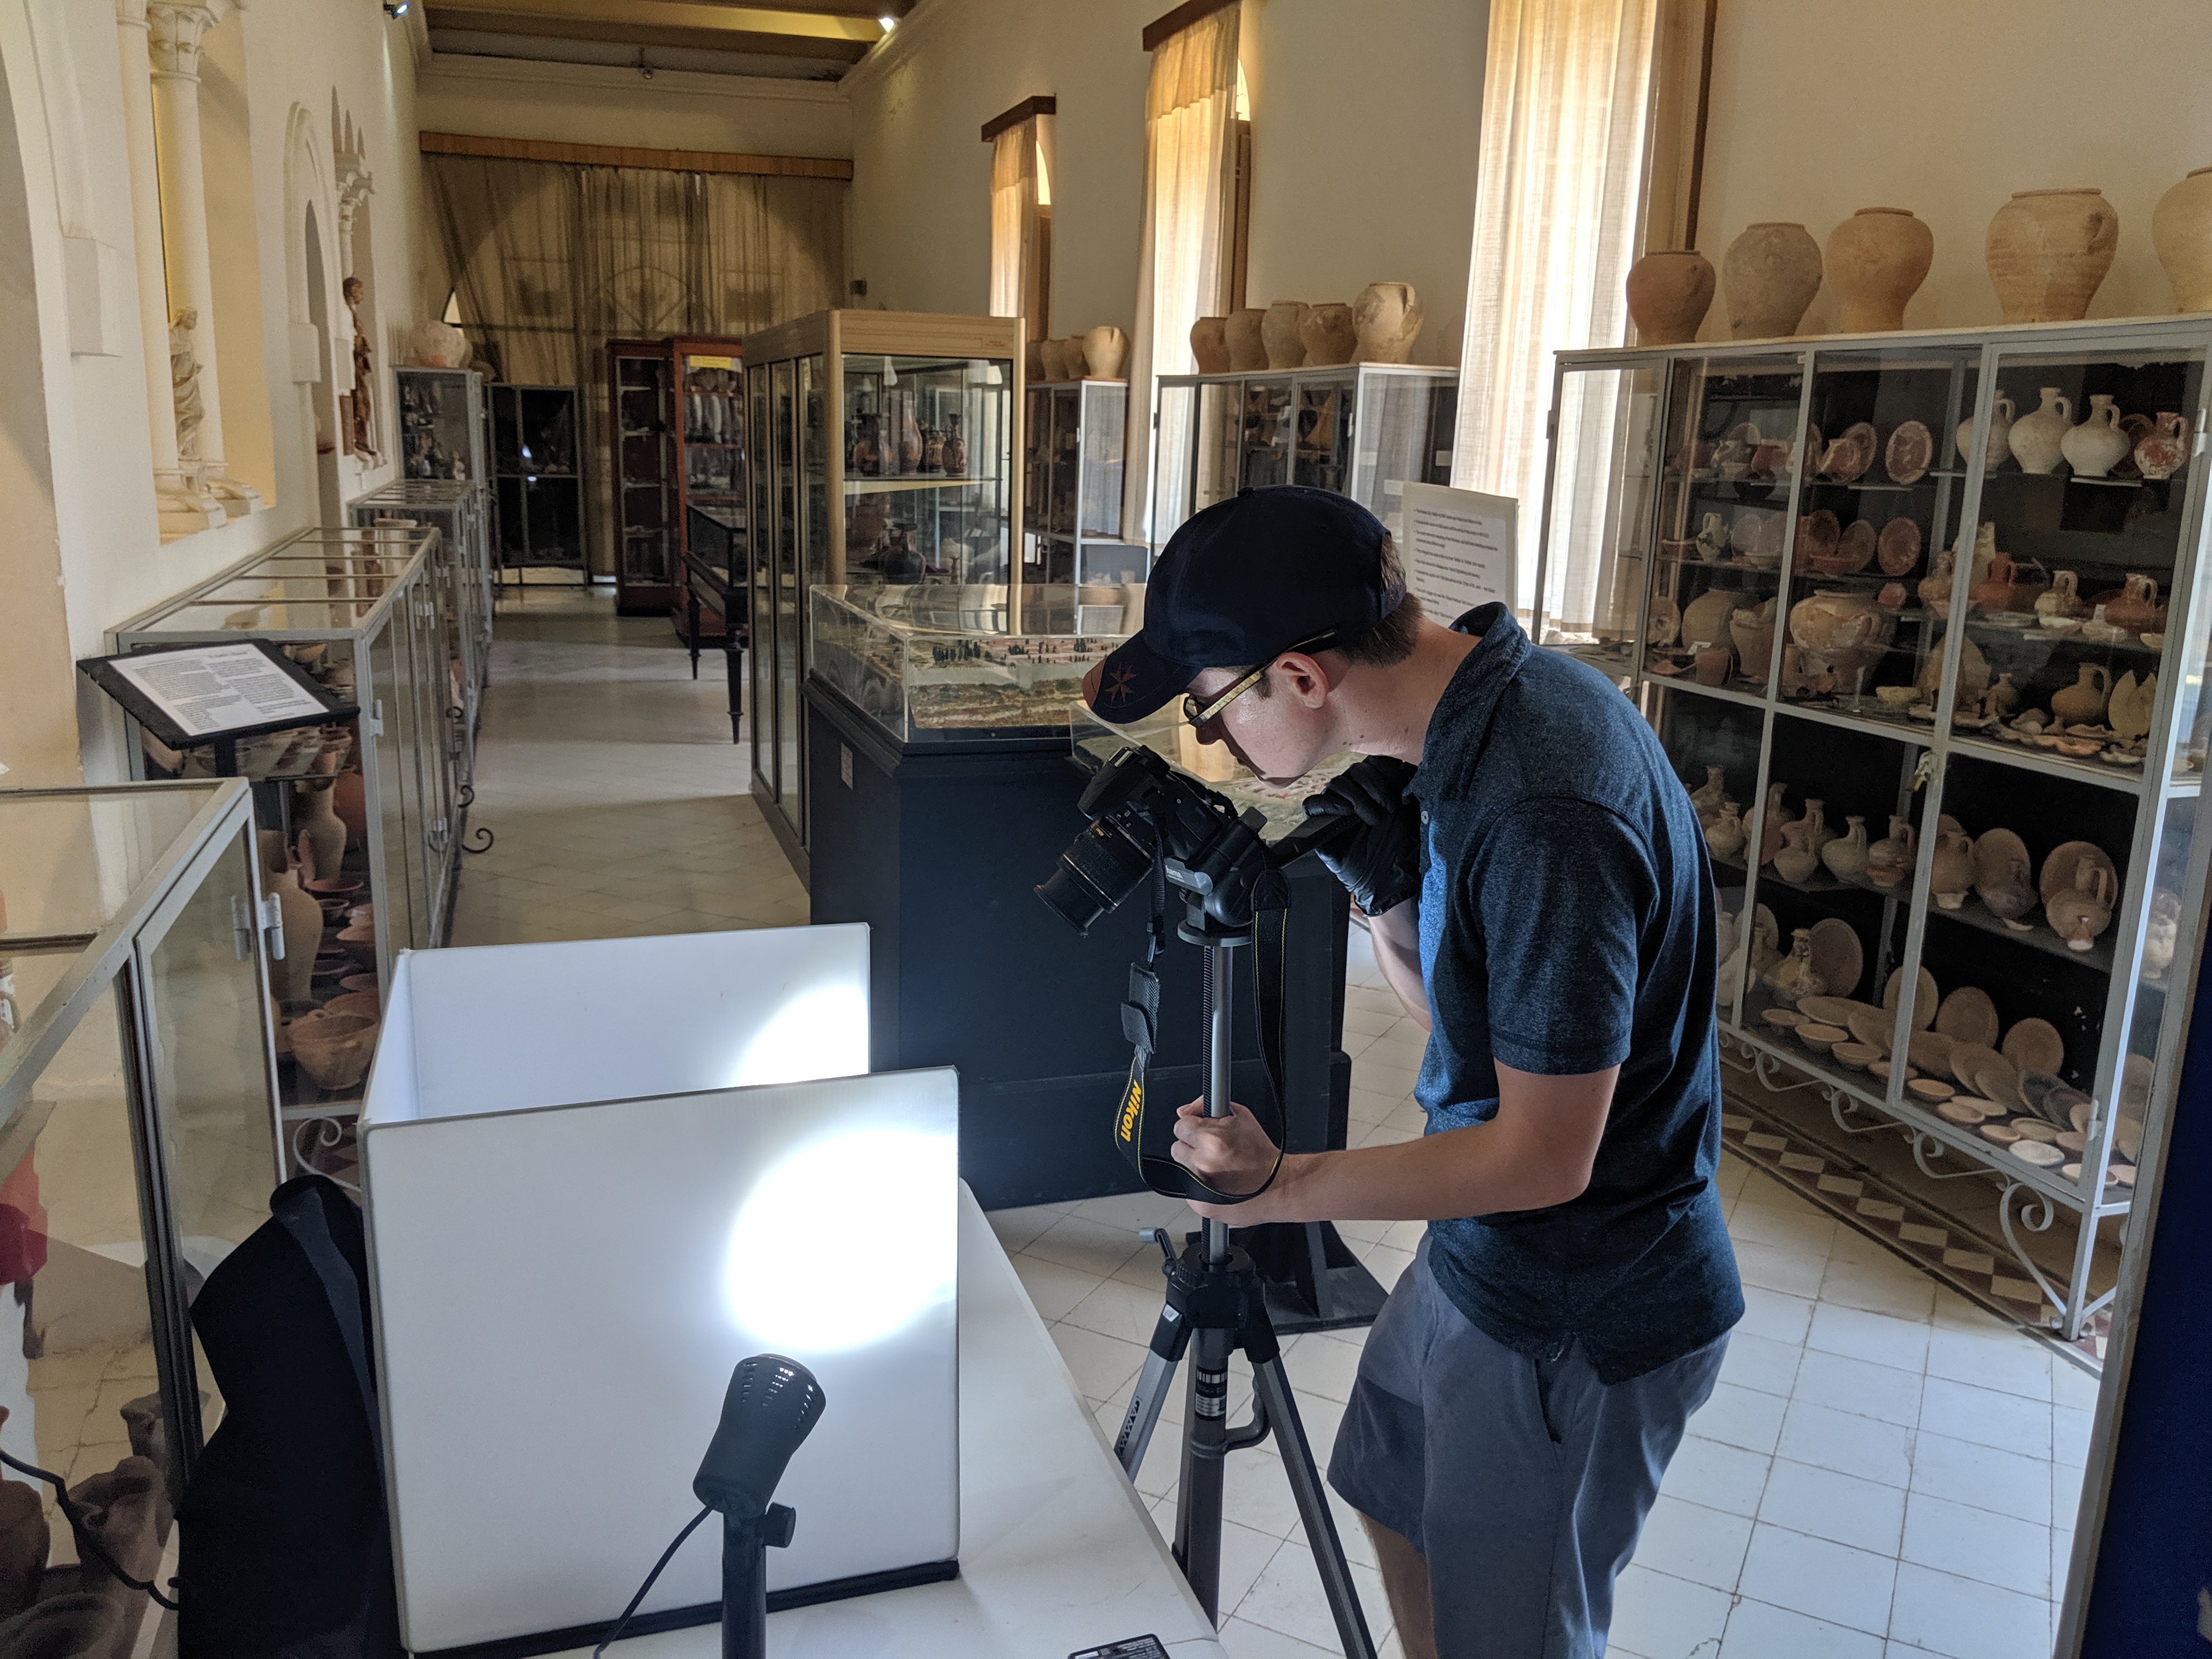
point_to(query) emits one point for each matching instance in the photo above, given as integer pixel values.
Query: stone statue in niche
(362, 432)
(184, 390)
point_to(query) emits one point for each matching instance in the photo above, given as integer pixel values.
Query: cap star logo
(1120, 685)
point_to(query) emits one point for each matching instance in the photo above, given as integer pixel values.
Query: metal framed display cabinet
(458, 511)
(1933, 670)
(442, 424)
(538, 488)
(1072, 438)
(641, 383)
(904, 423)
(362, 610)
(138, 1136)
(1360, 429)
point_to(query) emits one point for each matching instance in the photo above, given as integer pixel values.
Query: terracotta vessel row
(1099, 354)
(1379, 326)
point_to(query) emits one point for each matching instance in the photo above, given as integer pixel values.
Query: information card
(215, 689)
(1459, 548)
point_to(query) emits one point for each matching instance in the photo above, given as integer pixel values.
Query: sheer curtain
(1183, 257)
(1021, 226)
(1567, 98)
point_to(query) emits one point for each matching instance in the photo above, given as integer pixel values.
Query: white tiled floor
(1884, 1470)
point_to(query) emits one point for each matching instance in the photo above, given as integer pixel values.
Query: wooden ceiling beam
(511, 18)
(622, 156)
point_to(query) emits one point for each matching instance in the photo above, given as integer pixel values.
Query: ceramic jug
(1934, 589)
(2001, 879)
(2082, 703)
(2065, 599)
(321, 834)
(2038, 440)
(1798, 858)
(1952, 872)
(1795, 977)
(1713, 537)
(1705, 800)
(1998, 448)
(291, 976)
(2165, 450)
(2161, 934)
(2093, 448)
(2002, 698)
(1846, 858)
(2079, 914)
(2137, 609)
(1890, 860)
(1771, 825)
(1725, 834)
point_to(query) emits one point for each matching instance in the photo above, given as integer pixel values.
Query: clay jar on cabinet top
(1999, 446)
(1329, 335)
(1387, 318)
(1248, 351)
(1668, 295)
(2093, 448)
(2082, 703)
(2048, 250)
(1105, 350)
(2038, 440)
(2181, 231)
(1876, 260)
(1279, 334)
(1771, 273)
(1951, 874)
(1209, 344)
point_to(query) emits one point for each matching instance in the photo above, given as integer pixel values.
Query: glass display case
(882, 456)
(1920, 623)
(138, 1147)
(711, 469)
(1358, 430)
(374, 804)
(538, 494)
(442, 424)
(640, 383)
(1072, 436)
(457, 511)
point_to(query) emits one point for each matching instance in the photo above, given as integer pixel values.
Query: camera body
(1140, 808)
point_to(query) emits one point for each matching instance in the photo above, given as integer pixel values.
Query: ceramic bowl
(2042, 1155)
(1783, 1019)
(359, 983)
(1961, 1111)
(1929, 1089)
(2003, 1134)
(1856, 1056)
(1821, 1038)
(2060, 624)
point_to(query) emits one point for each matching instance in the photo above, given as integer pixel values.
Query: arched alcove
(310, 302)
(322, 398)
(249, 439)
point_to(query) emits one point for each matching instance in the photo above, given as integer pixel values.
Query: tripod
(1217, 1304)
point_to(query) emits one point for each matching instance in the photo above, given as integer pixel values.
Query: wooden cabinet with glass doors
(1919, 620)
(884, 455)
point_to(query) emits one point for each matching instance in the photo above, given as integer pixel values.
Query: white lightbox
(599, 1175)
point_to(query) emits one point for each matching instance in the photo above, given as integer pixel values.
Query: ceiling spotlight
(397, 7)
(888, 22)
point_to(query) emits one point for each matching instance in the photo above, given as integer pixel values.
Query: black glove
(1377, 853)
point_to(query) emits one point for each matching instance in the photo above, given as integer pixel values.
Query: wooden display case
(641, 389)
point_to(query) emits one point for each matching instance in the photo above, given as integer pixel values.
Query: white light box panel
(599, 1174)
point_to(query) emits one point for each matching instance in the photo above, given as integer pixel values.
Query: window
(1021, 214)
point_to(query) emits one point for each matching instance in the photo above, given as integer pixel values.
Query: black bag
(283, 1549)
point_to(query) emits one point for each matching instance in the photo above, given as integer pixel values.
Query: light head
(772, 1406)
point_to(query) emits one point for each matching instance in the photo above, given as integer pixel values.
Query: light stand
(1217, 1304)
(772, 1405)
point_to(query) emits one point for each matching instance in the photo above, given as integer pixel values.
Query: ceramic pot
(2093, 448)
(1998, 446)
(334, 1049)
(2161, 934)
(1725, 835)
(1772, 273)
(2137, 609)
(1890, 859)
(1209, 344)
(2129, 712)
(1935, 588)
(2165, 451)
(1876, 260)
(1711, 664)
(1073, 369)
(1033, 361)
(1771, 824)
(2079, 915)
(1951, 872)
(1388, 317)
(2082, 703)
(1705, 801)
(1846, 856)
(2037, 441)
(1329, 335)
(1713, 537)
(275, 854)
(1705, 618)
(2008, 587)
(1804, 675)
(1248, 351)
(1974, 675)
(1048, 356)
(2001, 699)
(1105, 349)
(290, 976)
(956, 448)
(1800, 855)
(2064, 599)
(25, 1540)
(1848, 632)
(349, 800)
(2048, 250)
(1668, 295)
(433, 344)
(1752, 627)
(2181, 231)
(1279, 334)
(1795, 976)
(359, 942)
(319, 828)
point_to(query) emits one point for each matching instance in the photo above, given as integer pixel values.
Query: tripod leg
(1272, 1390)
(1205, 1447)
(1143, 1413)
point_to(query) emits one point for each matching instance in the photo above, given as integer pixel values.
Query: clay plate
(1905, 459)
(2034, 1128)
(1962, 1110)
(1832, 1011)
(2043, 1155)
(1855, 551)
(1871, 1028)
(2062, 869)
(1880, 1069)
(1926, 998)
(1783, 1019)
(1849, 456)
(1970, 1059)
(2004, 1134)
(1930, 1051)
(1838, 956)
(1897, 550)
(1969, 1016)
(2000, 1081)
(2035, 1045)
(1856, 1056)
(1820, 1038)
(1929, 1089)
(1818, 534)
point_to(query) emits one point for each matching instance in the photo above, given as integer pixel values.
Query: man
(1538, 895)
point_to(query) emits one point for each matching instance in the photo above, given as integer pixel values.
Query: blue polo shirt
(1567, 925)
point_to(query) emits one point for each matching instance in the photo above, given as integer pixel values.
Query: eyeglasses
(1197, 714)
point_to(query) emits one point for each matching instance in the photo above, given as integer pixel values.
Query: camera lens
(1100, 868)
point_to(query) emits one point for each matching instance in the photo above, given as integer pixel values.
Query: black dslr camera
(1140, 809)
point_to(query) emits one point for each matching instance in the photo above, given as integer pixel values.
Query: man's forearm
(1460, 1172)
(1397, 937)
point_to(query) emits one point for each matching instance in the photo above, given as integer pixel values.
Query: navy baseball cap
(1243, 581)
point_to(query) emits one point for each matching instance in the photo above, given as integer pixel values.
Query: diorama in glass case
(1364, 430)
(1921, 625)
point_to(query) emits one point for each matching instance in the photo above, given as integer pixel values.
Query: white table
(1056, 1552)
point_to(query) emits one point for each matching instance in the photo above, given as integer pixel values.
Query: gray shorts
(1524, 1481)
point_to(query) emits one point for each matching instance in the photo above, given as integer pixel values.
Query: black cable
(86, 1542)
(615, 1635)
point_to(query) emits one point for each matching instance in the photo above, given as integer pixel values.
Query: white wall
(1819, 111)
(1364, 134)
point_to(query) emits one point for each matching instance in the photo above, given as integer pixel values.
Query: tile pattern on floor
(1885, 1469)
